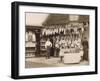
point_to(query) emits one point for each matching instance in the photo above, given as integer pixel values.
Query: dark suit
(85, 49)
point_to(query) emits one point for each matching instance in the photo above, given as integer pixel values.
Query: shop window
(30, 36)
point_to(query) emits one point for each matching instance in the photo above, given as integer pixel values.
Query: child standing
(61, 54)
(62, 49)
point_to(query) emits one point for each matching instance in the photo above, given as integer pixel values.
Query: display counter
(73, 57)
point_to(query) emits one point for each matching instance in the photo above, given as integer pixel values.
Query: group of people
(63, 44)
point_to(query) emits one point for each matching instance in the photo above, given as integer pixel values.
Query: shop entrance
(37, 33)
(52, 48)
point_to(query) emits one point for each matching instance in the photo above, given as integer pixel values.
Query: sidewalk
(52, 62)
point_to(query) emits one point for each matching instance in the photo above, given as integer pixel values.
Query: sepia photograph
(56, 40)
(50, 40)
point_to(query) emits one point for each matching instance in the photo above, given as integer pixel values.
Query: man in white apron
(48, 46)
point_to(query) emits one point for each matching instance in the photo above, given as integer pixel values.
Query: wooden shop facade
(55, 26)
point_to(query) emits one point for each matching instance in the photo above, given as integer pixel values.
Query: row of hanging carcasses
(52, 30)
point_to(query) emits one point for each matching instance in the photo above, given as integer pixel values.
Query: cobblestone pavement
(52, 62)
